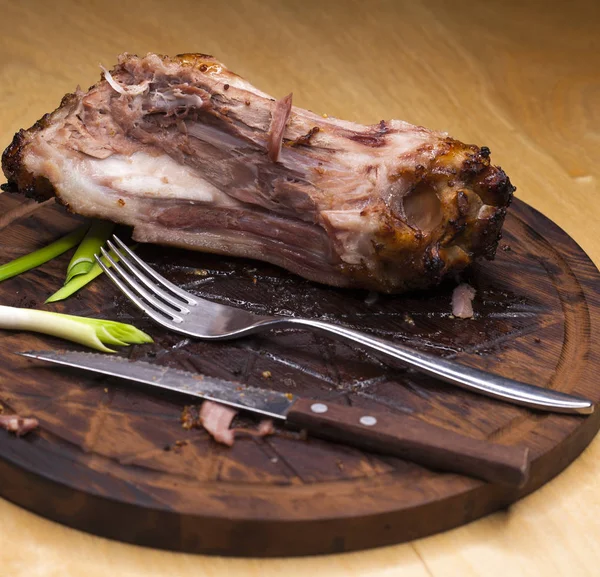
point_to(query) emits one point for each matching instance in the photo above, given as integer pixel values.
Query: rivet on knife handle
(412, 439)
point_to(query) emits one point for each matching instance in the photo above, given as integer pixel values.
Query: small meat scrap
(462, 301)
(216, 419)
(371, 298)
(178, 446)
(18, 425)
(266, 427)
(190, 417)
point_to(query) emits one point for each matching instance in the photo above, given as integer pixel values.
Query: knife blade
(400, 435)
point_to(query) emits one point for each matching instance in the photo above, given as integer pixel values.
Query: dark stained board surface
(113, 459)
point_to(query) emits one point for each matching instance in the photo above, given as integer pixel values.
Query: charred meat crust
(430, 209)
(19, 178)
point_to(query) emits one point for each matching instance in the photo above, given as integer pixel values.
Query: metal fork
(182, 312)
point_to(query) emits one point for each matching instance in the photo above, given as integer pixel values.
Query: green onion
(39, 257)
(80, 281)
(94, 333)
(83, 259)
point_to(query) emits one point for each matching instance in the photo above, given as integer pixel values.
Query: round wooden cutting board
(113, 459)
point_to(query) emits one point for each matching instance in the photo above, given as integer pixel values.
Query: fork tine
(186, 296)
(139, 289)
(153, 287)
(152, 313)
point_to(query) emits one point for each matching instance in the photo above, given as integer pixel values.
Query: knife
(399, 435)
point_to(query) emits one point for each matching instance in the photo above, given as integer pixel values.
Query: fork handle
(452, 372)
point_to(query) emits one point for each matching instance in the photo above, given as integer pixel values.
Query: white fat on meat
(108, 185)
(354, 233)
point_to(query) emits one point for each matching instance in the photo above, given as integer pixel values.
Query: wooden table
(520, 77)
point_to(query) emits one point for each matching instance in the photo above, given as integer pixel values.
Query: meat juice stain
(421, 320)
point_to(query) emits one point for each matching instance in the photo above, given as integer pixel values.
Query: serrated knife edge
(264, 401)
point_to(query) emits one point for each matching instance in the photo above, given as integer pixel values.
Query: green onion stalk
(83, 259)
(93, 333)
(42, 255)
(81, 280)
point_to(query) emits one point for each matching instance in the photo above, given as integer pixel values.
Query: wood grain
(108, 450)
(521, 78)
(411, 439)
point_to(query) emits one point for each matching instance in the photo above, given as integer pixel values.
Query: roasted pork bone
(190, 154)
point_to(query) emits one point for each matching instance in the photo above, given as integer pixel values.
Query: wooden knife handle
(412, 439)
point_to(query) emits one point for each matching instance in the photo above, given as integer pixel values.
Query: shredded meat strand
(265, 428)
(21, 211)
(281, 114)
